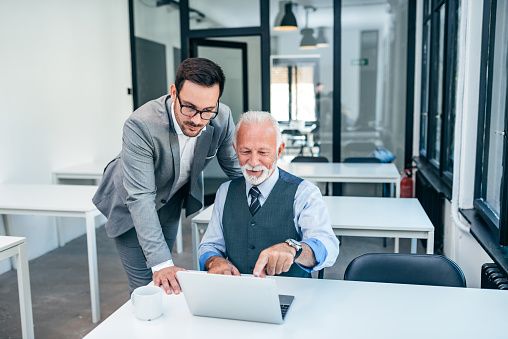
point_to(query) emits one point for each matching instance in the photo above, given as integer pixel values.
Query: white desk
(381, 217)
(16, 246)
(94, 171)
(85, 171)
(58, 201)
(360, 217)
(345, 172)
(335, 309)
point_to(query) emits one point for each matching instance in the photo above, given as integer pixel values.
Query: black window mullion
(433, 85)
(445, 109)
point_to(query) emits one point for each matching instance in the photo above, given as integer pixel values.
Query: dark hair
(200, 71)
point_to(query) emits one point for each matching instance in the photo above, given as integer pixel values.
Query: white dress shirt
(187, 148)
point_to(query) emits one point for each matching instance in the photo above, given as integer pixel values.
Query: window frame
(428, 142)
(498, 225)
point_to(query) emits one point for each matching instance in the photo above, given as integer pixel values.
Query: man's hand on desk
(167, 277)
(219, 265)
(278, 258)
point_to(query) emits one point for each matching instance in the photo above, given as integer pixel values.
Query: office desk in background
(16, 247)
(335, 309)
(94, 171)
(345, 172)
(57, 201)
(357, 216)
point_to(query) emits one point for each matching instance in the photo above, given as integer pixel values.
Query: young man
(166, 145)
(268, 221)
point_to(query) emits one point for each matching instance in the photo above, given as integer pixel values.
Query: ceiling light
(321, 40)
(288, 22)
(308, 41)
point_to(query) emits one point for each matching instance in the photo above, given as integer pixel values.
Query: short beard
(258, 180)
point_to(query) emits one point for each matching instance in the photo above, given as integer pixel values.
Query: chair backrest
(309, 159)
(362, 160)
(401, 268)
(292, 132)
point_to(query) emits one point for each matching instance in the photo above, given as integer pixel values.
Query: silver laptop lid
(231, 297)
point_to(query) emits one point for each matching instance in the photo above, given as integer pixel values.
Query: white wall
(65, 70)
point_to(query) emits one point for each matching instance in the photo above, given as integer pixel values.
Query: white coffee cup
(147, 302)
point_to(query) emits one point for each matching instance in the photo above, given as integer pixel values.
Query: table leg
(61, 242)
(25, 296)
(92, 267)
(397, 189)
(179, 242)
(7, 232)
(195, 244)
(413, 245)
(396, 242)
(430, 243)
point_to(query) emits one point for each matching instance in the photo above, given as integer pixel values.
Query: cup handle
(132, 299)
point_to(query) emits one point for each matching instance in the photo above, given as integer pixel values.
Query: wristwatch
(296, 245)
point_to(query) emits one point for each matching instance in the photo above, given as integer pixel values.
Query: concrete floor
(61, 292)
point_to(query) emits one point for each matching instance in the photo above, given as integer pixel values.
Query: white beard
(258, 180)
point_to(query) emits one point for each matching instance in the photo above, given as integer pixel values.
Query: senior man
(268, 221)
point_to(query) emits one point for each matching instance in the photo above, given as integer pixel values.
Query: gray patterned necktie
(254, 201)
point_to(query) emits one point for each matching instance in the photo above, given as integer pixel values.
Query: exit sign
(359, 62)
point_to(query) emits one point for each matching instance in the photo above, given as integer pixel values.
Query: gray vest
(246, 235)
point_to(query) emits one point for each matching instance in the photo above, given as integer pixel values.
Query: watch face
(294, 243)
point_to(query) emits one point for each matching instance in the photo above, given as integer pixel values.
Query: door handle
(503, 133)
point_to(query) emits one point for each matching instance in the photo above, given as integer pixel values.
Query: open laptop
(232, 297)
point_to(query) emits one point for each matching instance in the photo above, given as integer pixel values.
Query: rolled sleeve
(312, 221)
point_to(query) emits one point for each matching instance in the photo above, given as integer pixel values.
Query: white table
(16, 247)
(335, 309)
(345, 172)
(381, 217)
(357, 216)
(84, 171)
(58, 201)
(94, 171)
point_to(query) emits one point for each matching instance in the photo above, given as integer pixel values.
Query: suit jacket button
(252, 247)
(163, 201)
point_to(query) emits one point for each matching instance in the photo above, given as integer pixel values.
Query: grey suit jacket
(135, 188)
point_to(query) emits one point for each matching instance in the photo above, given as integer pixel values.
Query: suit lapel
(202, 147)
(174, 143)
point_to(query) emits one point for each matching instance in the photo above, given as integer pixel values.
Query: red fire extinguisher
(406, 184)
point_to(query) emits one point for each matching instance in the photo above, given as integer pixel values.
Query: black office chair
(302, 158)
(362, 160)
(401, 268)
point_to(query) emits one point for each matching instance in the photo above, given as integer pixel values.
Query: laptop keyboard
(283, 310)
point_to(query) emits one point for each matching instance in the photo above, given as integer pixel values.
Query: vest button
(251, 268)
(252, 247)
(163, 201)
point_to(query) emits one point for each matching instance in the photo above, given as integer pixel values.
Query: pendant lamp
(288, 22)
(308, 41)
(321, 40)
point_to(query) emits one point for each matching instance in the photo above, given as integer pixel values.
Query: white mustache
(255, 169)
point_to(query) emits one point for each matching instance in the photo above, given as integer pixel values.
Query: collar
(266, 186)
(178, 130)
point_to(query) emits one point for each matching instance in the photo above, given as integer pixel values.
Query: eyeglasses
(189, 111)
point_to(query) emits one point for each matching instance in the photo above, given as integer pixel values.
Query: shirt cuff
(320, 253)
(162, 265)
(205, 256)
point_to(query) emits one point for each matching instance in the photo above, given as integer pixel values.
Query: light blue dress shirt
(311, 218)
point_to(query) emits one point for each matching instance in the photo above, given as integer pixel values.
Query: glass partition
(373, 80)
